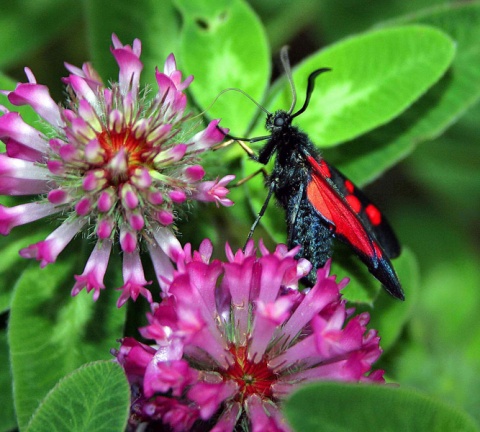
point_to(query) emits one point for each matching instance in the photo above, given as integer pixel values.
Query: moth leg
(247, 149)
(252, 155)
(250, 140)
(223, 145)
(249, 177)
(242, 144)
(262, 211)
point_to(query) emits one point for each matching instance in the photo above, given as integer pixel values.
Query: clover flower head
(233, 339)
(115, 163)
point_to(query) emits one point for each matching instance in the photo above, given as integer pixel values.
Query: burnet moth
(320, 202)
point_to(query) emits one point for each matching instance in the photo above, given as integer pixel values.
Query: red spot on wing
(354, 203)
(334, 209)
(373, 214)
(349, 186)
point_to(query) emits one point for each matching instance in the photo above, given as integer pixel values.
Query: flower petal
(23, 214)
(38, 97)
(22, 140)
(92, 276)
(48, 250)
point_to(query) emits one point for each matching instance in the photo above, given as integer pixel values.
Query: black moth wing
(342, 213)
(373, 220)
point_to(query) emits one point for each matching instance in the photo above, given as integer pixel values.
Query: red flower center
(135, 149)
(252, 378)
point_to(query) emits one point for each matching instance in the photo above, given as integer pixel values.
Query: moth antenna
(288, 73)
(310, 87)
(237, 90)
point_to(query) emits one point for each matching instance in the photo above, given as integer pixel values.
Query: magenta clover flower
(233, 339)
(114, 164)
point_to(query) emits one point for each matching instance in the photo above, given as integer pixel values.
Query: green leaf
(12, 264)
(7, 413)
(344, 407)
(28, 25)
(375, 76)
(365, 158)
(223, 44)
(51, 333)
(154, 22)
(95, 397)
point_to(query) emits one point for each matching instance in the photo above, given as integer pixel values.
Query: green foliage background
(398, 113)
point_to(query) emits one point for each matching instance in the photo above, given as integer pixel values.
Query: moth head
(278, 121)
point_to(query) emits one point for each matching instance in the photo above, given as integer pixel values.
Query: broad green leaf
(365, 158)
(12, 264)
(340, 407)
(223, 44)
(27, 25)
(95, 397)
(7, 413)
(51, 333)
(154, 22)
(375, 76)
